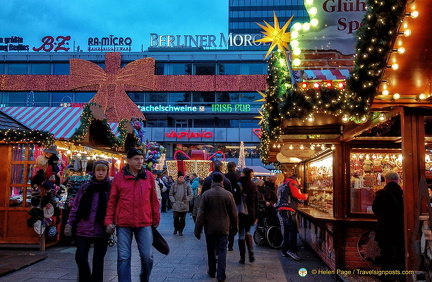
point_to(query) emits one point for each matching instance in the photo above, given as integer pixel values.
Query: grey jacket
(180, 195)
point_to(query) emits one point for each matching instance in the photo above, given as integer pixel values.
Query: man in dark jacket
(218, 165)
(234, 177)
(388, 207)
(217, 214)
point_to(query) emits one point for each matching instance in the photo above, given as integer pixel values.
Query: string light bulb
(396, 96)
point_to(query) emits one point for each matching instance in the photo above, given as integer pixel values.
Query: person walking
(217, 214)
(217, 167)
(180, 194)
(133, 209)
(289, 196)
(87, 217)
(388, 207)
(233, 176)
(246, 220)
(194, 183)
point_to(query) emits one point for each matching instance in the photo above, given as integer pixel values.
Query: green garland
(86, 119)
(376, 37)
(29, 136)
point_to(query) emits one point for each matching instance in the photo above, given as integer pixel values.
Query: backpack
(237, 192)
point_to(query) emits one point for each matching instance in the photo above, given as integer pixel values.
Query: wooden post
(42, 242)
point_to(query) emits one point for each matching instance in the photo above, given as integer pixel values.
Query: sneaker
(292, 255)
(175, 232)
(180, 233)
(230, 249)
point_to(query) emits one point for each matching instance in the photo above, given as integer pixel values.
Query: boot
(249, 244)
(242, 249)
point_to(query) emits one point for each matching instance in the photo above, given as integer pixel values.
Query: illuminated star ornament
(278, 36)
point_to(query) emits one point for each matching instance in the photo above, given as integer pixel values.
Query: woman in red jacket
(133, 207)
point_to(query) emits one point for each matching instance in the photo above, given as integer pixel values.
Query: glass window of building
(251, 123)
(156, 98)
(15, 99)
(252, 68)
(40, 68)
(137, 97)
(229, 69)
(180, 97)
(179, 69)
(61, 69)
(227, 97)
(200, 97)
(17, 69)
(61, 97)
(83, 97)
(205, 69)
(204, 122)
(2, 69)
(249, 96)
(39, 99)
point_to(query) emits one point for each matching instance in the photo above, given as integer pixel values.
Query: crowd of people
(223, 207)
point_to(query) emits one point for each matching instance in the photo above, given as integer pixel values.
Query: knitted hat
(100, 162)
(133, 152)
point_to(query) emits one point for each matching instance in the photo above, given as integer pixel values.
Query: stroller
(268, 231)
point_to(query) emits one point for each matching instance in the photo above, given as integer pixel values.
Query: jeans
(81, 258)
(217, 246)
(179, 221)
(144, 239)
(289, 230)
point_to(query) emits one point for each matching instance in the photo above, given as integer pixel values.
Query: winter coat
(217, 212)
(233, 177)
(180, 195)
(195, 185)
(252, 197)
(388, 207)
(133, 201)
(89, 227)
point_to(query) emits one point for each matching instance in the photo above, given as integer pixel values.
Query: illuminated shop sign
(228, 108)
(215, 108)
(169, 108)
(189, 134)
(110, 43)
(13, 43)
(189, 41)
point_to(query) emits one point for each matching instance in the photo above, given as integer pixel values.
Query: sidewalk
(187, 261)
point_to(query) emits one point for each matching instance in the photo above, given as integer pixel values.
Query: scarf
(100, 187)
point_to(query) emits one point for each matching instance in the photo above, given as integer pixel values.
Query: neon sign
(161, 108)
(189, 134)
(228, 108)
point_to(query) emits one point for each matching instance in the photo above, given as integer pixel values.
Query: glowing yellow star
(263, 95)
(261, 117)
(278, 36)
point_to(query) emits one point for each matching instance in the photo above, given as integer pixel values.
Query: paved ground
(186, 262)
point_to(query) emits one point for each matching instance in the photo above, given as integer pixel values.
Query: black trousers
(179, 221)
(81, 257)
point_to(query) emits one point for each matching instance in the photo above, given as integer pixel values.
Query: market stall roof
(330, 74)
(62, 122)
(261, 171)
(6, 122)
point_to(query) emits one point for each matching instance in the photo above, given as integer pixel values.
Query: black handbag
(159, 242)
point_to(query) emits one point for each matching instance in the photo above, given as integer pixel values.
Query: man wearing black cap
(133, 208)
(217, 214)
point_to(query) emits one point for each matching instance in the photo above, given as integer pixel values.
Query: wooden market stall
(19, 147)
(342, 142)
(80, 134)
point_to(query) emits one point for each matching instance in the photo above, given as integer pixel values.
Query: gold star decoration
(263, 95)
(278, 36)
(261, 117)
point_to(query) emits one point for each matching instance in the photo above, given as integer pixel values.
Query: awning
(261, 171)
(62, 122)
(332, 74)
